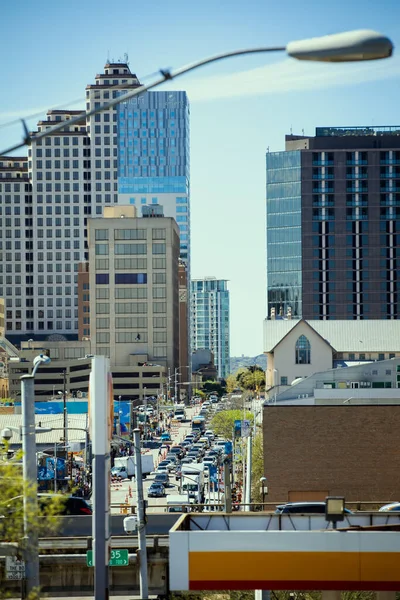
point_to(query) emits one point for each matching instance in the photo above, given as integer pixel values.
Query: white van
(177, 503)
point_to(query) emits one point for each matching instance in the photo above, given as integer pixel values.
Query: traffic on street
(182, 471)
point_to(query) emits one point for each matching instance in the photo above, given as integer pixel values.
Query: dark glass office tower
(333, 225)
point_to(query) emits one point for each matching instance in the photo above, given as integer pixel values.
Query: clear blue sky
(239, 108)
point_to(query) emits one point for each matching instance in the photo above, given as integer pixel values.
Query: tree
(199, 393)
(257, 467)
(13, 488)
(252, 379)
(213, 386)
(231, 383)
(223, 422)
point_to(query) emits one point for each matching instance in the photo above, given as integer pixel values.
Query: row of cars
(301, 508)
(189, 463)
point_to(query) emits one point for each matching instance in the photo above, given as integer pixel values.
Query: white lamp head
(363, 44)
(41, 359)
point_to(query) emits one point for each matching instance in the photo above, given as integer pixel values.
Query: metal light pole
(142, 550)
(227, 487)
(29, 465)
(65, 416)
(247, 499)
(350, 46)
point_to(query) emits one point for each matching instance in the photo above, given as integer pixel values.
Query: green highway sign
(118, 558)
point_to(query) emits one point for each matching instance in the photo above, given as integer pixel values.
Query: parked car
(394, 506)
(151, 444)
(167, 464)
(194, 455)
(73, 505)
(162, 468)
(180, 453)
(304, 508)
(171, 456)
(162, 478)
(156, 490)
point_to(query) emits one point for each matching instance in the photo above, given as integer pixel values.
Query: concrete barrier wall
(70, 575)
(284, 560)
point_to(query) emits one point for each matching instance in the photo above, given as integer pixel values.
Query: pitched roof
(51, 437)
(343, 336)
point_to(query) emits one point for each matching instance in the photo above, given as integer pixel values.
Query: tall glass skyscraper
(209, 308)
(333, 224)
(154, 157)
(284, 232)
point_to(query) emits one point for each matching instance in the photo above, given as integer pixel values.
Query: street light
(30, 474)
(334, 509)
(358, 45)
(263, 489)
(350, 46)
(176, 373)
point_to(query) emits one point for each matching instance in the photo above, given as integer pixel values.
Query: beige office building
(133, 283)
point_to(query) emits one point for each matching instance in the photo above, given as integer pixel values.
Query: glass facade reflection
(283, 233)
(154, 157)
(210, 320)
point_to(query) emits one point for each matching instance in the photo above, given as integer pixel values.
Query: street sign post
(118, 558)
(15, 568)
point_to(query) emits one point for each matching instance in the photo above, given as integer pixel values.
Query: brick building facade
(314, 451)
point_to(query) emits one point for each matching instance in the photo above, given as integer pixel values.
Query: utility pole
(29, 466)
(65, 416)
(247, 499)
(31, 542)
(227, 487)
(176, 385)
(142, 551)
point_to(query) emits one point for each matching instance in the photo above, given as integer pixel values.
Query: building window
(101, 234)
(284, 381)
(159, 249)
(101, 249)
(130, 278)
(130, 248)
(159, 234)
(129, 337)
(130, 234)
(102, 278)
(303, 351)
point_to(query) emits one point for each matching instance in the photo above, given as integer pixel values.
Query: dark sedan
(162, 479)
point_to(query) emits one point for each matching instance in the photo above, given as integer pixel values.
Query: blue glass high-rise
(209, 306)
(283, 231)
(154, 157)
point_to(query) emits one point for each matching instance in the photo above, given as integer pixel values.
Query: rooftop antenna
(291, 130)
(302, 131)
(108, 56)
(126, 58)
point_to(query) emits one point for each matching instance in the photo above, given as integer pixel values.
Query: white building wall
(285, 356)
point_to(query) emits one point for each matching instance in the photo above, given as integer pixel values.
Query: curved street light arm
(166, 75)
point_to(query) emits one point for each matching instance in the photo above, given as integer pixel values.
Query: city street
(127, 489)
